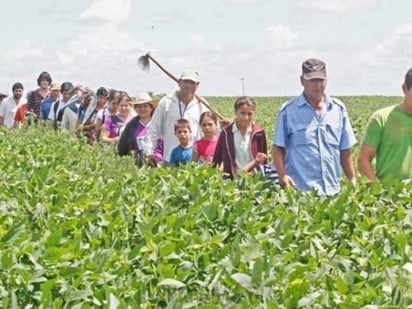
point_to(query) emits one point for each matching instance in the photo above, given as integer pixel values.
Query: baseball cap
(190, 74)
(313, 68)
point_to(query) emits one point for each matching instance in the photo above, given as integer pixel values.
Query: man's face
(314, 88)
(17, 93)
(187, 87)
(55, 94)
(44, 84)
(66, 95)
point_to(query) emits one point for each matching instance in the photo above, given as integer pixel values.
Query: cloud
(396, 47)
(112, 11)
(336, 5)
(280, 36)
(197, 38)
(235, 2)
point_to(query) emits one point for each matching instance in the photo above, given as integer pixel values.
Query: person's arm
(195, 154)
(366, 155)
(248, 168)
(278, 155)
(280, 140)
(2, 112)
(346, 162)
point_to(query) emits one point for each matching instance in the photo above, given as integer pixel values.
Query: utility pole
(243, 85)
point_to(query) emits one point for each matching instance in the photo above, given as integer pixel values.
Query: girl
(204, 148)
(113, 124)
(134, 134)
(110, 108)
(241, 145)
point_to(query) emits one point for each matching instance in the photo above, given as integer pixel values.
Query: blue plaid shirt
(313, 142)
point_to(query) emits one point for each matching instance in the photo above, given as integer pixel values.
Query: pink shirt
(205, 149)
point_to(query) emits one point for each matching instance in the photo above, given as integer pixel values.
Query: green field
(83, 228)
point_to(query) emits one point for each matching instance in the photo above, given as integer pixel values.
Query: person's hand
(152, 161)
(260, 158)
(287, 181)
(224, 122)
(116, 139)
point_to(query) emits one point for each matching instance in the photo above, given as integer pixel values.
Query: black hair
(67, 86)
(244, 100)
(408, 79)
(113, 94)
(44, 76)
(102, 91)
(17, 85)
(182, 123)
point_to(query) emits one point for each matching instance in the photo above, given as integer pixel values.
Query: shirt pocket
(333, 134)
(300, 136)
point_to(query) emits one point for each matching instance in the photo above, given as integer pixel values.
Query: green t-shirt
(390, 132)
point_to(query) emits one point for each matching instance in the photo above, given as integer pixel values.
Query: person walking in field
(180, 104)
(313, 136)
(47, 103)
(183, 152)
(388, 137)
(9, 105)
(114, 124)
(134, 136)
(204, 148)
(241, 145)
(57, 108)
(35, 97)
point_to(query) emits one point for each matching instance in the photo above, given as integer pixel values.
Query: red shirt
(20, 113)
(205, 149)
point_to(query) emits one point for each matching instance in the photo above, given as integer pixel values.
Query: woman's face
(144, 110)
(124, 106)
(244, 115)
(114, 106)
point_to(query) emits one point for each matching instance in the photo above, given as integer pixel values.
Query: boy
(183, 152)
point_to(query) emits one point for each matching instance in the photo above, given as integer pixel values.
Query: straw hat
(143, 98)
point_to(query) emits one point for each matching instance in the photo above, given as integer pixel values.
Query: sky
(255, 47)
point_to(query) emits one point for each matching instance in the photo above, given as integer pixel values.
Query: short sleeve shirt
(389, 131)
(313, 142)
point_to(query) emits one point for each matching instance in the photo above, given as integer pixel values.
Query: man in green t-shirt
(389, 138)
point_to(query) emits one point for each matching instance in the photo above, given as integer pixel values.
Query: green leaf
(171, 283)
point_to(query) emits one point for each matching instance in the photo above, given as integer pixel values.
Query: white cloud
(197, 38)
(280, 36)
(396, 47)
(240, 1)
(112, 11)
(336, 5)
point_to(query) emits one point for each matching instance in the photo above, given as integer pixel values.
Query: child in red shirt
(204, 148)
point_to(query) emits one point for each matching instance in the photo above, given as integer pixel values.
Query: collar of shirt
(235, 128)
(303, 101)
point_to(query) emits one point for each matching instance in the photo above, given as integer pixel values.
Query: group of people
(312, 141)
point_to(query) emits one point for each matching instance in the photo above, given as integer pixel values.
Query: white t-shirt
(8, 109)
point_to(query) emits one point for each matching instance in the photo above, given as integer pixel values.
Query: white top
(53, 115)
(69, 119)
(164, 118)
(8, 109)
(242, 147)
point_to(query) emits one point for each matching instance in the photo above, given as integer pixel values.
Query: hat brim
(151, 102)
(190, 79)
(314, 75)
